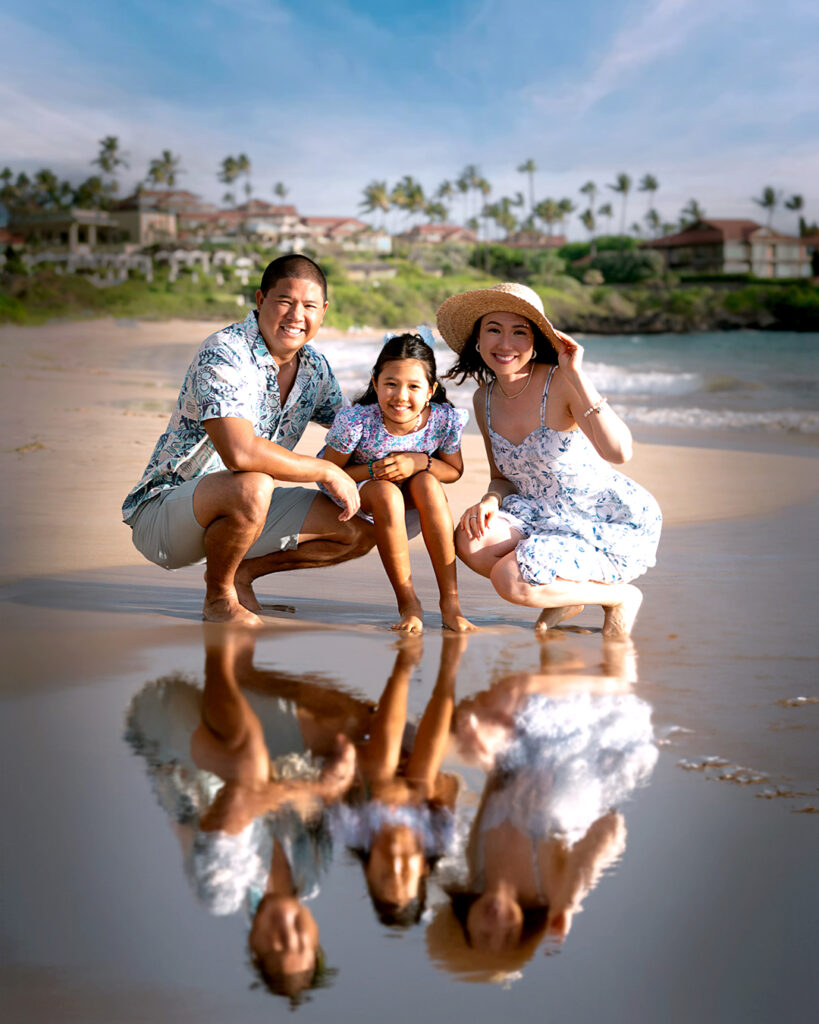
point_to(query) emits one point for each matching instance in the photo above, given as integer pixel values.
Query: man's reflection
(563, 748)
(251, 837)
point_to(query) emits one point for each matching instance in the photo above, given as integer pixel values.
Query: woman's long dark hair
(405, 346)
(470, 363)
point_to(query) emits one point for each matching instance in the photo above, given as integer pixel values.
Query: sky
(715, 98)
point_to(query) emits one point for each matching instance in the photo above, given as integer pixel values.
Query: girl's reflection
(399, 815)
(251, 838)
(562, 748)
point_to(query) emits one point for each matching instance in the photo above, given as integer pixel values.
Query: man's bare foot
(223, 609)
(244, 591)
(412, 619)
(618, 620)
(550, 617)
(451, 618)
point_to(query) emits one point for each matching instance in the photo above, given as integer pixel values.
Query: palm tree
(691, 213)
(653, 220)
(623, 186)
(228, 173)
(548, 210)
(465, 182)
(376, 197)
(243, 167)
(590, 190)
(588, 222)
(280, 190)
(769, 200)
(164, 169)
(90, 193)
(109, 158)
(445, 192)
(529, 167)
(435, 211)
(408, 195)
(650, 185)
(565, 207)
(607, 211)
(795, 203)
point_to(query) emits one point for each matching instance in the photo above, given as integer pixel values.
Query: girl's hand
(569, 354)
(477, 518)
(399, 466)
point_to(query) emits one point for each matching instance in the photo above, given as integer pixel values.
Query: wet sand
(726, 645)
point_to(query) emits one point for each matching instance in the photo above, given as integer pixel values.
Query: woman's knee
(507, 580)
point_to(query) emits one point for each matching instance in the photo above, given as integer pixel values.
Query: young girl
(400, 441)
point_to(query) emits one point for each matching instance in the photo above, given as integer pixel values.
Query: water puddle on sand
(355, 827)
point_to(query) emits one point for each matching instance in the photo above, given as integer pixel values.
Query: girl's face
(403, 391)
(396, 865)
(506, 342)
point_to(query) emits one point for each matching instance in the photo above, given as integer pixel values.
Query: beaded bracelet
(370, 469)
(429, 462)
(596, 408)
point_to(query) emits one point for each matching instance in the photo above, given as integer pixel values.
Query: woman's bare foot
(412, 618)
(550, 617)
(226, 609)
(618, 620)
(451, 618)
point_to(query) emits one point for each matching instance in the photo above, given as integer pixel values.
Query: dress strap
(546, 396)
(489, 387)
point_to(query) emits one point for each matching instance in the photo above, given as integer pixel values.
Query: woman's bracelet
(493, 494)
(596, 408)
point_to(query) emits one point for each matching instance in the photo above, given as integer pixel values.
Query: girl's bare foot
(412, 618)
(225, 610)
(451, 618)
(550, 617)
(618, 620)
(339, 771)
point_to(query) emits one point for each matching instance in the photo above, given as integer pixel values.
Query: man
(209, 488)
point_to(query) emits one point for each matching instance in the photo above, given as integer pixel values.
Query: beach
(725, 649)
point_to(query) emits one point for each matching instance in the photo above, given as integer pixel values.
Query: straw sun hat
(459, 314)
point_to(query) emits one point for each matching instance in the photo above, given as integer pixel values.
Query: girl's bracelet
(370, 469)
(429, 462)
(596, 408)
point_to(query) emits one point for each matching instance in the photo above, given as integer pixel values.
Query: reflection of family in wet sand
(263, 772)
(557, 528)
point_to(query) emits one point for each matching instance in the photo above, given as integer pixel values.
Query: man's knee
(253, 492)
(358, 538)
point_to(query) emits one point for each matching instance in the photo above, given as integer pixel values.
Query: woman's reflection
(563, 748)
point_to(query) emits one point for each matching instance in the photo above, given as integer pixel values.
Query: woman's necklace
(525, 386)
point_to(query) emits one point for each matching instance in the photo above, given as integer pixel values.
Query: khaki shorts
(166, 531)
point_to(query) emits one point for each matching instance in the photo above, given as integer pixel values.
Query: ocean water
(741, 381)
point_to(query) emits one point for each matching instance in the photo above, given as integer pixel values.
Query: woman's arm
(595, 417)
(477, 518)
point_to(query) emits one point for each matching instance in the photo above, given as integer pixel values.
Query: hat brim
(458, 315)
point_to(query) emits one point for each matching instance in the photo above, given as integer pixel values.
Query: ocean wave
(793, 421)
(616, 380)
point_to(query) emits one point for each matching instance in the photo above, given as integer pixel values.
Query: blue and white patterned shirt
(233, 374)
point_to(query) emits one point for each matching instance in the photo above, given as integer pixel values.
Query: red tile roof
(715, 232)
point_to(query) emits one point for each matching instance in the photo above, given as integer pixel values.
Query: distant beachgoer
(210, 490)
(399, 442)
(558, 528)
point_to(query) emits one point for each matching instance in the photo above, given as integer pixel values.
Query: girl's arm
(477, 518)
(595, 417)
(400, 466)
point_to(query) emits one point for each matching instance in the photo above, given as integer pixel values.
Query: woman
(558, 528)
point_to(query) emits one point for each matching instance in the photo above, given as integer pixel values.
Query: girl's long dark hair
(470, 364)
(405, 346)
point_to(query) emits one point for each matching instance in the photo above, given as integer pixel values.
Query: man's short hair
(293, 265)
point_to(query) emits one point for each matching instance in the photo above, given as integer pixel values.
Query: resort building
(734, 247)
(436, 234)
(534, 240)
(74, 230)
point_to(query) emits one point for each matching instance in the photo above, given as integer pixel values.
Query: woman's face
(495, 922)
(506, 342)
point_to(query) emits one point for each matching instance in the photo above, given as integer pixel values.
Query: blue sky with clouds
(716, 98)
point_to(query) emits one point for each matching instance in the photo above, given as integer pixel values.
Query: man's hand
(342, 488)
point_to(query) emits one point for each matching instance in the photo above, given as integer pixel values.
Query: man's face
(290, 316)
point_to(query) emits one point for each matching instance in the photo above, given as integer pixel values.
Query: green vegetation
(657, 303)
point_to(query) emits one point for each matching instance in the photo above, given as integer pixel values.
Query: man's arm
(242, 451)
